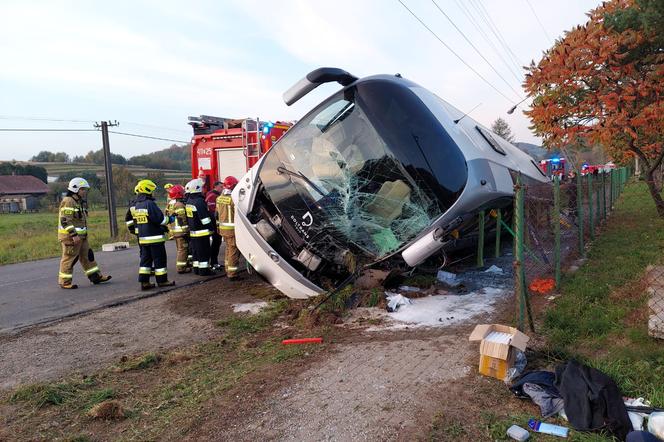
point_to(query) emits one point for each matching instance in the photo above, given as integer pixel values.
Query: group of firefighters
(196, 222)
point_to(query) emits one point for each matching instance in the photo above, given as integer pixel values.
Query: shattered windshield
(340, 176)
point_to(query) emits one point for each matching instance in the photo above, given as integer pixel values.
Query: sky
(150, 64)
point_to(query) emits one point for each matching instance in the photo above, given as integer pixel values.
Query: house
(20, 193)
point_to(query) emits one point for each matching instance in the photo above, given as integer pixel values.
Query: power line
(455, 54)
(155, 126)
(488, 40)
(475, 48)
(46, 130)
(147, 136)
(12, 117)
(494, 30)
(540, 22)
(514, 57)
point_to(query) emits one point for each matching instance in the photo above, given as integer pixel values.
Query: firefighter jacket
(178, 228)
(211, 201)
(149, 219)
(198, 217)
(226, 214)
(129, 219)
(73, 216)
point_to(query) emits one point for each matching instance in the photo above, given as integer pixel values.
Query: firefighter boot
(68, 286)
(166, 284)
(147, 285)
(98, 278)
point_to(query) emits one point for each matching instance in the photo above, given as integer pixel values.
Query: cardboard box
(497, 348)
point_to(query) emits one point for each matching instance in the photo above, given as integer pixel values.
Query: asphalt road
(30, 295)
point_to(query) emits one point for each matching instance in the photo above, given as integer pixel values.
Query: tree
(123, 184)
(46, 156)
(97, 157)
(602, 83)
(500, 127)
(8, 168)
(91, 177)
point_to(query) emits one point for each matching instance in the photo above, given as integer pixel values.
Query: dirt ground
(362, 385)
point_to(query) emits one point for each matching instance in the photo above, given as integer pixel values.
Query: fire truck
(223, 146)
(554, 167)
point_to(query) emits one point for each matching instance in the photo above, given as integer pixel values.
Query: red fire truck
(223, 146)
(554, 167)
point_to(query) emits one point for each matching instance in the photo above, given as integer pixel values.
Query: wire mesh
(655, 289)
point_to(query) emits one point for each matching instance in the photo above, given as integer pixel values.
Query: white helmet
(194, 186)
(77, 183)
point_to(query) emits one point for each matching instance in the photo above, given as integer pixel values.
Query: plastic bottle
(542, 427)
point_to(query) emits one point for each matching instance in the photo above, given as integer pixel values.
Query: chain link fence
(553, 224)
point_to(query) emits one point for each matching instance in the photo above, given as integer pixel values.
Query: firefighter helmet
(77, 183)
(136, 189)
(230, 182)
(194, 186)
(146, 186)
(167, 186)
(176, 192)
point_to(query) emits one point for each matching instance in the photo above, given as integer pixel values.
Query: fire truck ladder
(251, 149)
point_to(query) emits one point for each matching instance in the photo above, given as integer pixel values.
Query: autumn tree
(500, 127)
(602, 83)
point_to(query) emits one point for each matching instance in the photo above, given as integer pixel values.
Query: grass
(30, 236)
(161, 398)
(601, 317)
(54, 169)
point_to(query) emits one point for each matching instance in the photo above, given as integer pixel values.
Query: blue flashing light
(270, 124)
(555, 160)
(266, 129)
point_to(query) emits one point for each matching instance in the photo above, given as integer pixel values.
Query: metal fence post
(499, 220)
(611, 189)
(579, 210)
(519, 285)
(604, 195)
(556, 229)
(598, 213)
(591, 214)
(480, 241)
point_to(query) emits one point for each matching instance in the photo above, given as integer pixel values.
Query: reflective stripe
(95, 269)
(195, 264)
(203, 265)
(227, 226)
(64, 275)
(151, 239)
(69, 210)
(165, 221)
(231, 269)
(81, 230)
(70, 229)
(230, 214)
(180, 211)
(144, 270)
(129, 223)
(179, 229)
(206, 221)
(160, 272)
(199, 233)
(180, 263)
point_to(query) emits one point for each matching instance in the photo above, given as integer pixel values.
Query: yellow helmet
(167, 186)
(145, 186)
(136, 189)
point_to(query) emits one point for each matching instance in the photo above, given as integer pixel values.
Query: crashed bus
(383, 172)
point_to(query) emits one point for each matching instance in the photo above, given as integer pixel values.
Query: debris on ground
(518, 433)
(448, 278)
(542, 285)
(656, 424)
(543, 427)
(371, 278)
(302, 341)
(396, 300)
(249, 307)
(494, 269)
(407, 288)
(539, 387)
(498, 346)
(634, 416)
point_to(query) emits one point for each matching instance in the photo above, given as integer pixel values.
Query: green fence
(553, 225)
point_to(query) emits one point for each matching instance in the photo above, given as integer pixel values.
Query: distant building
(20, 193)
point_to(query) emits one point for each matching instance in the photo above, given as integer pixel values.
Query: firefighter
(151, 223)
(226, 226)
(73, 235)
(178, 229)
(200, 227)
(211, 201)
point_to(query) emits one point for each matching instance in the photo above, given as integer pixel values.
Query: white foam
(250, 307)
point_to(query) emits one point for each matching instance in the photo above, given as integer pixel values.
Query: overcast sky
(151, 63)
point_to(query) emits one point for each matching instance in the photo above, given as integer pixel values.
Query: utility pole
(108, 169)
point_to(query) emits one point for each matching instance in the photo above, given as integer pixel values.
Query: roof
(21, 184)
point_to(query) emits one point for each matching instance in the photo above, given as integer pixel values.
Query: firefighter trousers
(231, 257)
(153, 255)
(182, 257)
(214, 248)
(201, 251)
(71, 253)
